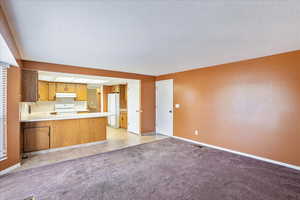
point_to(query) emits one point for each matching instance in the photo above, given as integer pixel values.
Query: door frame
(156, 102)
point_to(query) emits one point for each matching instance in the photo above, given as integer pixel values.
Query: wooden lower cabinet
(61, 133)
(123, 119)
(36, 136)
(36, 139)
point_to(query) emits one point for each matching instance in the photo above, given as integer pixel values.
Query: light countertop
(49, 117)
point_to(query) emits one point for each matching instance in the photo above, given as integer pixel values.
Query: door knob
(170, 111)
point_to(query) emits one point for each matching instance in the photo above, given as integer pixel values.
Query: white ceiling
(151, 36)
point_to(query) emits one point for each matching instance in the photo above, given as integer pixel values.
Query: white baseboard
(148, 133)
(134, 133)
(7, 170)
(64, 148)
(240, 153)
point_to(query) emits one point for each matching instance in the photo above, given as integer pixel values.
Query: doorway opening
(117, 96)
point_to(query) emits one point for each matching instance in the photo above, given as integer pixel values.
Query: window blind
(3, 109)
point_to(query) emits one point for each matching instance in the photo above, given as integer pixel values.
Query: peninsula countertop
(49, 117)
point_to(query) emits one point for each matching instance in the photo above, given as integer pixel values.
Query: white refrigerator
(114, 109)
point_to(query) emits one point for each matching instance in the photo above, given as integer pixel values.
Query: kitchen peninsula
(47, 131)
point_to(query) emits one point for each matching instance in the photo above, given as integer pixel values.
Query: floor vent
(31, 198)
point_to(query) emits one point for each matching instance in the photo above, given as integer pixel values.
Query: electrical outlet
(196, 132)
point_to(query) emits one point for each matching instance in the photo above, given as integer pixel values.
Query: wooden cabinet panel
(65, 87)
(52, 91)
(106, 91)
(123, 96)
(81, 91)
(65, 133)
(84, 131)
(71, 87)
(29, 86)
(60, 87)
(123, 120)
(29, 126)
(36, 138)
(98, 132)
(43, 91)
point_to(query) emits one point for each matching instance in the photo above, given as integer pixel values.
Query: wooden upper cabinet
(29, 86)
(52, 91)
(71, 87)
(60, 87)
(115, 89)
(43, 91)
(81, 91)
(66, 87)
(53, 88)
(34, 90)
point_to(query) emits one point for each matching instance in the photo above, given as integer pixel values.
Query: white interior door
(134, 106)
(164, 107)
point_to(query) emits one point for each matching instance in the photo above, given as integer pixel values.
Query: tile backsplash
(47, 107)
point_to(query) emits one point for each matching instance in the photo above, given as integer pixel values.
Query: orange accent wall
(13, 125)
(13, 95)
(148, 106)
(147, 86)
(250, 106)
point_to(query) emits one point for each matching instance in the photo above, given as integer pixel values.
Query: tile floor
(116, 139)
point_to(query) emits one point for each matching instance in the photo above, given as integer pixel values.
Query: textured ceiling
(153, 37)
